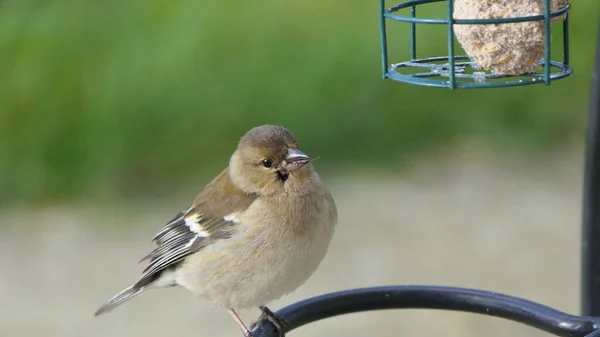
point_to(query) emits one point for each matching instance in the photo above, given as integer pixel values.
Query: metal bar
(566, 40)
(547, 32)
(413, 34)
(383, 35)
(431, 297)
(451, 79)
(590, 248)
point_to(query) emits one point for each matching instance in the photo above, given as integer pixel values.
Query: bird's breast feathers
(268, 254)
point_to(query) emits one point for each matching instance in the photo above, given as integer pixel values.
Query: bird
(256, 232)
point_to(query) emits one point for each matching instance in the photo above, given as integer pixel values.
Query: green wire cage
(464, 71)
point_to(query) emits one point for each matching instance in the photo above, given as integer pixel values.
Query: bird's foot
(238, 320)
(278, 322)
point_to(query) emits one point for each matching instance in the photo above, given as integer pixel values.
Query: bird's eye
(267, 163)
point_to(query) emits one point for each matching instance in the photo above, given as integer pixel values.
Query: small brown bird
(255, 233)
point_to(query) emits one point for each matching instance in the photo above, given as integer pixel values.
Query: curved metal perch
(432, 297)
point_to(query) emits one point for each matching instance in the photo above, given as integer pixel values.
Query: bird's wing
(211, 218)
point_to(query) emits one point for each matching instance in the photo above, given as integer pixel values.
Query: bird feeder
(507, 43)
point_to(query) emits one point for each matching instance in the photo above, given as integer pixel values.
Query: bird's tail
(119, 298)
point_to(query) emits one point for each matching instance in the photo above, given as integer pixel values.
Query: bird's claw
(278, 322)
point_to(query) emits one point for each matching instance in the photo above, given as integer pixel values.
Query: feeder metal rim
(423, 79)
(388, 15)
(462, 65)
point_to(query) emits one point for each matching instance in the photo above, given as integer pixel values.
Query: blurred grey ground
(512, 228)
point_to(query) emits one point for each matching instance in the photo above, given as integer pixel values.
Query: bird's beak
(295, 159)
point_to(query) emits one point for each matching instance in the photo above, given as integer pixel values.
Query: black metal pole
(590, 250)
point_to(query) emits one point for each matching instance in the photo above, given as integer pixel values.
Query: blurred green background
(110, 99)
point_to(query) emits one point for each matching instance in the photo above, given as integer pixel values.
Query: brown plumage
(254, 233)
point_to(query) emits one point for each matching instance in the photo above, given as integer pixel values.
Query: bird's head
(267, 160)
